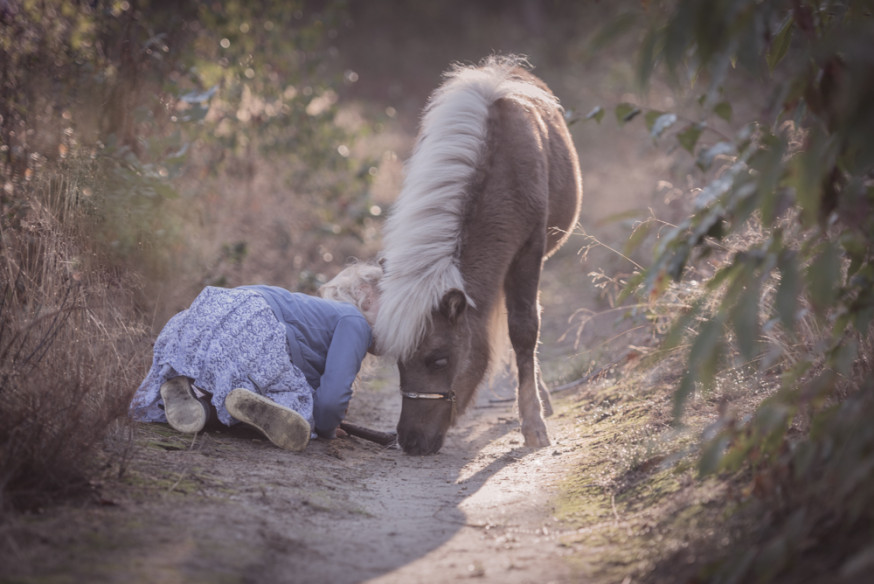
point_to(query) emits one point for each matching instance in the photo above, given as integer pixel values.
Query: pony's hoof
(537, 438)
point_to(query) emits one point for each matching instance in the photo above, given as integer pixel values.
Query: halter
(447, 396)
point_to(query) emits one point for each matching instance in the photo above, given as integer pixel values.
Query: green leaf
(768, 162)
(681, 325)
(596, 114)
(704, 357)
(723, 110)
(633, 284)
(640, 231)
(712, 455)
(648, 55)
(650, 117)
(844, 356)
(681, 395)
(771, 421)
(625, 112)
(788, 290)
(824, 277)
(855, 247)
(780, 44)
(723, 274)
(862, 308)
(689, 137)
(809, 172)
(677, 262)
(706, 352)
(745, 319)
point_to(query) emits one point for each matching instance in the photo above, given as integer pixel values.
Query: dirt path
(229, 507)
(481, 508)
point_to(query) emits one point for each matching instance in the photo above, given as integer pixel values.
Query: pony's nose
(418, 444)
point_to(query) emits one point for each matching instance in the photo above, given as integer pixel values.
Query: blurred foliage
(140, 93)
(784, 212)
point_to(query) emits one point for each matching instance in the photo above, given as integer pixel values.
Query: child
(282, 362)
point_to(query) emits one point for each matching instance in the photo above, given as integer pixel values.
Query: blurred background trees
(163, 97)
(149, 148)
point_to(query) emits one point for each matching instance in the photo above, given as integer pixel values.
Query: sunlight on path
(500, 516)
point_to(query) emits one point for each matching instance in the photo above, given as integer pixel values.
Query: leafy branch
(785, 201)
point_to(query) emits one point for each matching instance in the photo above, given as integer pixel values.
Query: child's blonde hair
(357, 284)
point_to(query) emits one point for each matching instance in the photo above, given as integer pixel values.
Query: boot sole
(282, 426)
(185, 413)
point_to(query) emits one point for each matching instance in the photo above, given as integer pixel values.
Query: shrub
(780, 234)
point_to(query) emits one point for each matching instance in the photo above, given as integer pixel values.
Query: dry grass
(70, 354)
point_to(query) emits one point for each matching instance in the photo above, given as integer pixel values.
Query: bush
(781, 236)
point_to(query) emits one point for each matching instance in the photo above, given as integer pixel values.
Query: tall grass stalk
(68, 350)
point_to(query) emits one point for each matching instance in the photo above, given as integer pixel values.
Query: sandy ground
(230, 507)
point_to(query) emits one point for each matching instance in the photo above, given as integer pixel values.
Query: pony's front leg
(523, 313)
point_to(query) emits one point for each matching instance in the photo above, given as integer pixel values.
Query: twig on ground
(382, 438)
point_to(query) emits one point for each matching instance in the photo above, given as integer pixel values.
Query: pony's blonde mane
(422, 233)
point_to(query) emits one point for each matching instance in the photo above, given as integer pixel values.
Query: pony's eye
(439, 363)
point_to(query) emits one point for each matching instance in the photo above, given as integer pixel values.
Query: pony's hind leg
(543, 392)
(523, 314)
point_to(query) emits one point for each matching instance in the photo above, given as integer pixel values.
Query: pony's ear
(453, 304)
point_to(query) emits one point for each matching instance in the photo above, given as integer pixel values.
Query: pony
(492, 188)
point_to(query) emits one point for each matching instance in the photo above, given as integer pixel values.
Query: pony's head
(439, 377)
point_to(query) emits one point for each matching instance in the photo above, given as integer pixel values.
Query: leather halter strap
(448, 396)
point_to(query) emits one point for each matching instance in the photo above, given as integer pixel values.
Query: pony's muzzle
(417, 444)
(424, 422)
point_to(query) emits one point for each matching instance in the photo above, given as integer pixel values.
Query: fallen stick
(383, 438)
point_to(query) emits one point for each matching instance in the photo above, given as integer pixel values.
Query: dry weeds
(69, 350)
